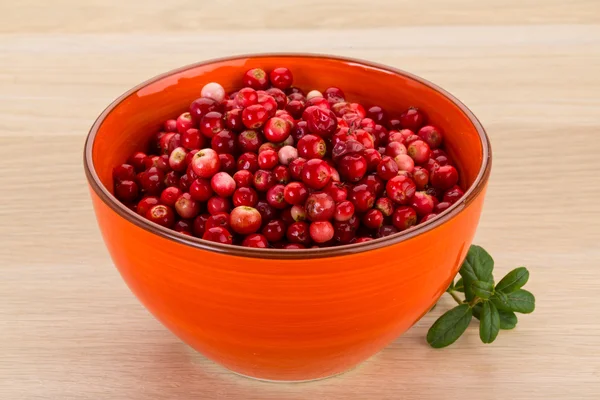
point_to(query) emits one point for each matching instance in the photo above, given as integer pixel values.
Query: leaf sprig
(494, 305)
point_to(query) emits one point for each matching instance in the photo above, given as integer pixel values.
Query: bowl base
(292, 381)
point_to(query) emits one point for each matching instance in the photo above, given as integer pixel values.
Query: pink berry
(320, 207)
(287, 154)
(404, 217)
(298, 213)
(213, 91)
(281, 78)
(206, 163)
(161, 215)
(400, 189)
(223, 184)
(419, 151)
(321, 231)
(404, 162)
(421, 177)
(187, 207)
(245, 220)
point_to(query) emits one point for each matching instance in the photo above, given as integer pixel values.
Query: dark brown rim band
(239, 251)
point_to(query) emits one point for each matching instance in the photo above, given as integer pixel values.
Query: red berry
(228, 163)
(352, 167)
(320, 121)
(387, 168)
(316, 173)
(422, 203)
(146, 204)
(373, 158)
(246, 97)
(255, 240)
(201, 190)
(161, 215)
(249, 141)
(218, 204)
(224, 142)
(248, 161)
(211, 124)
(199, 224)
(300, 130)
(346, 147)
(453, 194)
(378, 115)
(218, 234)
(432, 136)
(170, 125)
(233, 120)
(295, 193)
(263, 180)
(394, 124)
(279, 97)
(320, 207)
(321, 231)
(296, 167)
(373, 219)
(177, 159)
(184, 122)
(343, 211)
(243, 178)
(254, 116)
(311, 146)
(185, 181)
(336, 190)
(170, 195)
(421, 177)
(334, 95)
(137, 161)
(171, 179)
(374, 184)
(298, 232)
(281, 78)
(361, 197)
(123, 172)
(219, 219)
(158, 162)
(295, 108)
(404, 217)
(428, 217)
(267, 159)
(400, 189)
(345, 231)
(275, 197)
(441, 207)
(245, 196)
(267, 212)
(206, 163)
(385, 205)
(410, 139)
(412, 119)
(276, 130)
(386, 230)
(268, 102)
(245, 220)
(380, 135)
(256, 78)
(192, 139)
(152, 181)
(187, 207)
(281, 174)
(444, 177)
(183, 226)
(274, 230)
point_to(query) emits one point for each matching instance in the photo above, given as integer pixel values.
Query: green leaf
(520, 301)
(514, 280)
(459, 285)
(478, 266)
(490, 322)
(477, 310)
(508, 319)
(449, 326)
(483, 290)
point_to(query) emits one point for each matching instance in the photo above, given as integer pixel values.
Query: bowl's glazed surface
(281, 314)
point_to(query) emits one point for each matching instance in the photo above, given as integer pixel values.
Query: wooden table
(70, 328)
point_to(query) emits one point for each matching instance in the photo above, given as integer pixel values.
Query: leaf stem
(455, 297)
(475, 301)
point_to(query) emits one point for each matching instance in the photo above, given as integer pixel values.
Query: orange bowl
(286, 314)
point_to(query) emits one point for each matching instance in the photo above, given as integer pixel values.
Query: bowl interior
(131, 123)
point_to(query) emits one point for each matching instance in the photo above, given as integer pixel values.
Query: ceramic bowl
(286, 315)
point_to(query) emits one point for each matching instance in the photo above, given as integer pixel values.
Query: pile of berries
(272, 166)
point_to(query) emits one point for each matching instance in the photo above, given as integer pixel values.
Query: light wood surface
(530, 70)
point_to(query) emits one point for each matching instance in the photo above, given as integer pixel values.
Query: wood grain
(69, 327)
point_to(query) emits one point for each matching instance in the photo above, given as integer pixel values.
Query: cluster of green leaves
(494, 305)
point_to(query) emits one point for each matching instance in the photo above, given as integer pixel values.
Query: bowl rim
(235, 250)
